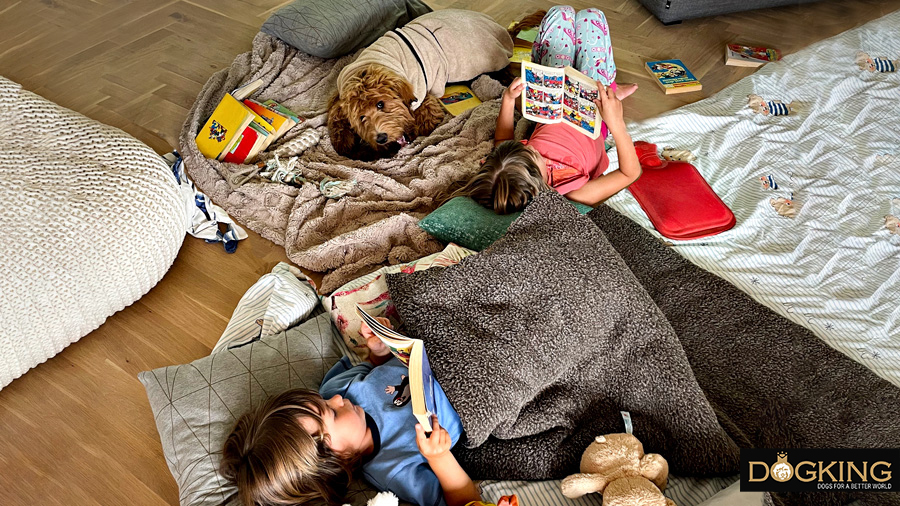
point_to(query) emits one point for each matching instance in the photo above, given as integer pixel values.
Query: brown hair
(509, 178)
(273, 460)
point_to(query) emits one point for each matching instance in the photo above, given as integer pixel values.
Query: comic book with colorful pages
(411, 352)
(560, 95)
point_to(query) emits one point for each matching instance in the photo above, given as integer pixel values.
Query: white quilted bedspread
(832, 264)
(91, 219)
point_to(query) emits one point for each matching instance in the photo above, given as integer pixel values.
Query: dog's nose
(381, 138)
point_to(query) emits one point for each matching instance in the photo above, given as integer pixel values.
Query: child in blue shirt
(301, 446)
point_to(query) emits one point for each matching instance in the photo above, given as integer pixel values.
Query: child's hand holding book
(514, 90)
(435, 446)
(610, 107)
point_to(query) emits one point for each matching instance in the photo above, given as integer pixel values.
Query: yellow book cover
(520, 54)
(227, 121)
(459, 98)
(279, 122)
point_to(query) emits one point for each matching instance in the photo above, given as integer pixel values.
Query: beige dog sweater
(443, 46)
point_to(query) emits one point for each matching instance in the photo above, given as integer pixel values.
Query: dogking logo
(768, 470)
(782, 471)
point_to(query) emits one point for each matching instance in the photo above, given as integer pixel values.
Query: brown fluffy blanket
(374, 224)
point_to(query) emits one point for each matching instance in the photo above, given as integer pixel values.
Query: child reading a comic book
(558, 156)
(303, 446)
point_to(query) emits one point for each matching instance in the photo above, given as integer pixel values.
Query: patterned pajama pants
(580, 40)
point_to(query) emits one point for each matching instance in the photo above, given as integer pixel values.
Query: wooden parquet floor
(78, 429)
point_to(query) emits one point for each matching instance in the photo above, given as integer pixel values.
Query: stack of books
(240, 128)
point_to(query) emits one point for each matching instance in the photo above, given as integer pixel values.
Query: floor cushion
(196, 405)
(333, 28)
(463, 221)
(92, 219)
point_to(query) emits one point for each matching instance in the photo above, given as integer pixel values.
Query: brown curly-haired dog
(388, 95)
(372, 117)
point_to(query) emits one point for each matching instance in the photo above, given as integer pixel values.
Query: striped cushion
(275, 303)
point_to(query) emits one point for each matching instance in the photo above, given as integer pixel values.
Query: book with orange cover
(280, 122)
(410, 352)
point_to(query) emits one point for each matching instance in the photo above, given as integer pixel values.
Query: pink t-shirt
(572, 158)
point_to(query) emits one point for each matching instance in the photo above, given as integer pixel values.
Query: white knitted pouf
(90, 217)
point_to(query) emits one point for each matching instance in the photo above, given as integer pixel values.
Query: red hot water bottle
(678, 201)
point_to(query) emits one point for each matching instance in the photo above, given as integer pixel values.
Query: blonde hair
(273, 460)
(509, 179)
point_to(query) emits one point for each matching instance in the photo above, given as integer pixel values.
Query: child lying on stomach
(302, 446)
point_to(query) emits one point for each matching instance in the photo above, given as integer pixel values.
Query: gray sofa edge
(674, 11)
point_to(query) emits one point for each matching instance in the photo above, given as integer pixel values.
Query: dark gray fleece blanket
(542, 339)
(773, 383)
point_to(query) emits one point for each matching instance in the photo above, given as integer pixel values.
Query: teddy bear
(615, 465)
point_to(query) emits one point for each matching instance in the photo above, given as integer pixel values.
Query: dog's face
(377, 104)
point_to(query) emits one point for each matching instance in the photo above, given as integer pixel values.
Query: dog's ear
(428, 116)
(343, 138)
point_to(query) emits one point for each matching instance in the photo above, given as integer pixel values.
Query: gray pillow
(196, 405)
(332, 28)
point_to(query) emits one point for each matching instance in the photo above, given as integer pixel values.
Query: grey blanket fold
(541, 340)
(773, 383)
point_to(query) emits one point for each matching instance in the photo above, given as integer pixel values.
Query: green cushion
(463, 221)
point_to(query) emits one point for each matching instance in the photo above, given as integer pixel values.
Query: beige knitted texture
(91, 219)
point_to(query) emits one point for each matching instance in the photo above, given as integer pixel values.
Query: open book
(412, 353)
(560, 95)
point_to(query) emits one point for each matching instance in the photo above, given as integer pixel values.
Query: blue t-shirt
(396, 464)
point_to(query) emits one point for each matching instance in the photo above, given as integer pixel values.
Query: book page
(542, 96)
(411, 353)
(399, 345)
(579, 109)
(421, 385)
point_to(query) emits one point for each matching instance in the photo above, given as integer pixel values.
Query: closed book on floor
(677, 200)
(226, 123)
(264, 138)
(673, 76)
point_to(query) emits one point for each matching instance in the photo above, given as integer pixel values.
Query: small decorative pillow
(371, 292)
(463, 221)
(333, 28)
(196, 405)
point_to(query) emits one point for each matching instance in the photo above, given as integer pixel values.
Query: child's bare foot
(624, 90)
